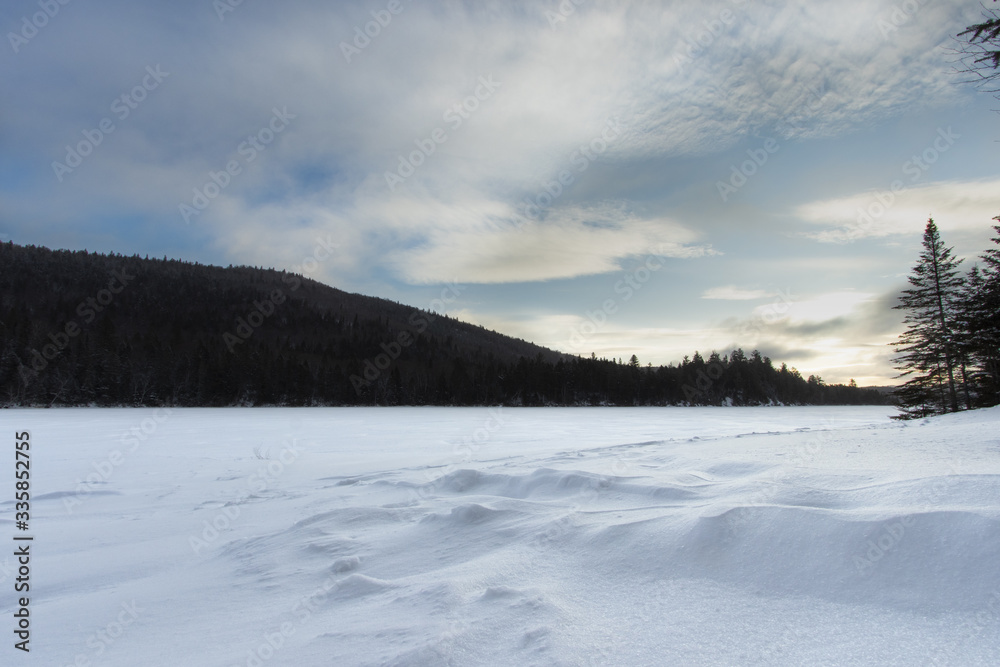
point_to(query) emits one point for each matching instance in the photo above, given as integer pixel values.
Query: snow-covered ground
(446, 536)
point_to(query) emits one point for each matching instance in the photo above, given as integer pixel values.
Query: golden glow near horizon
(721, 173)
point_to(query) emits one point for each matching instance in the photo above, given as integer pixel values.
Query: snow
(475, 536)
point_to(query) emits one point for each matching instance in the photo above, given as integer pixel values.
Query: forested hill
(79, 328)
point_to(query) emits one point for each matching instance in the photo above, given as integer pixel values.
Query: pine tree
(927, 353)
(968, 341)
(979, 48)
(981, 307)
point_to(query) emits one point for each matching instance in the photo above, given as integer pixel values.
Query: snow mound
(359, 585)
(546, 484)
(570, 537)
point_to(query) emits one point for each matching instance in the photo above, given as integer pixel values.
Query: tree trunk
(965, 385)
(946, 333)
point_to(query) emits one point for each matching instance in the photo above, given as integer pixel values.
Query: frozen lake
(475, 536)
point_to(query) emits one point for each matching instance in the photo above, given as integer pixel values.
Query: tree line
(949, 353)
(80, 328)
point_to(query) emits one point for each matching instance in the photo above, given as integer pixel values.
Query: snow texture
(447, 536)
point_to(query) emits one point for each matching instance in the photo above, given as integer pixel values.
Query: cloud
(954, 205)
(845, 332)
(569, 242)
(733, 293)
(840, 334)
(682, 83)
(683, 79)
(824, 307)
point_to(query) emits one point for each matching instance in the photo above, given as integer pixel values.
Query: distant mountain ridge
(81, 328)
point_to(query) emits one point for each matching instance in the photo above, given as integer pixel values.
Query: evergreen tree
(927, 352)
(163, 341)
(969, 340)
(981, 321)
(979, 48)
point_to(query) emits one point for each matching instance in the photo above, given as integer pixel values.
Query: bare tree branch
(979, 51)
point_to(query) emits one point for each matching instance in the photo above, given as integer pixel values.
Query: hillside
(80, 328)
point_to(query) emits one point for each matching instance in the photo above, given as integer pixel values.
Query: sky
(618, 178)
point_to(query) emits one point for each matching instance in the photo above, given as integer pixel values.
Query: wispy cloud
(733, 293)
(569, 242)
(687, 88)
(799, 69)
(954, 205)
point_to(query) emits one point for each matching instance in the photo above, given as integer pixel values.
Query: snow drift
(673, 536)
